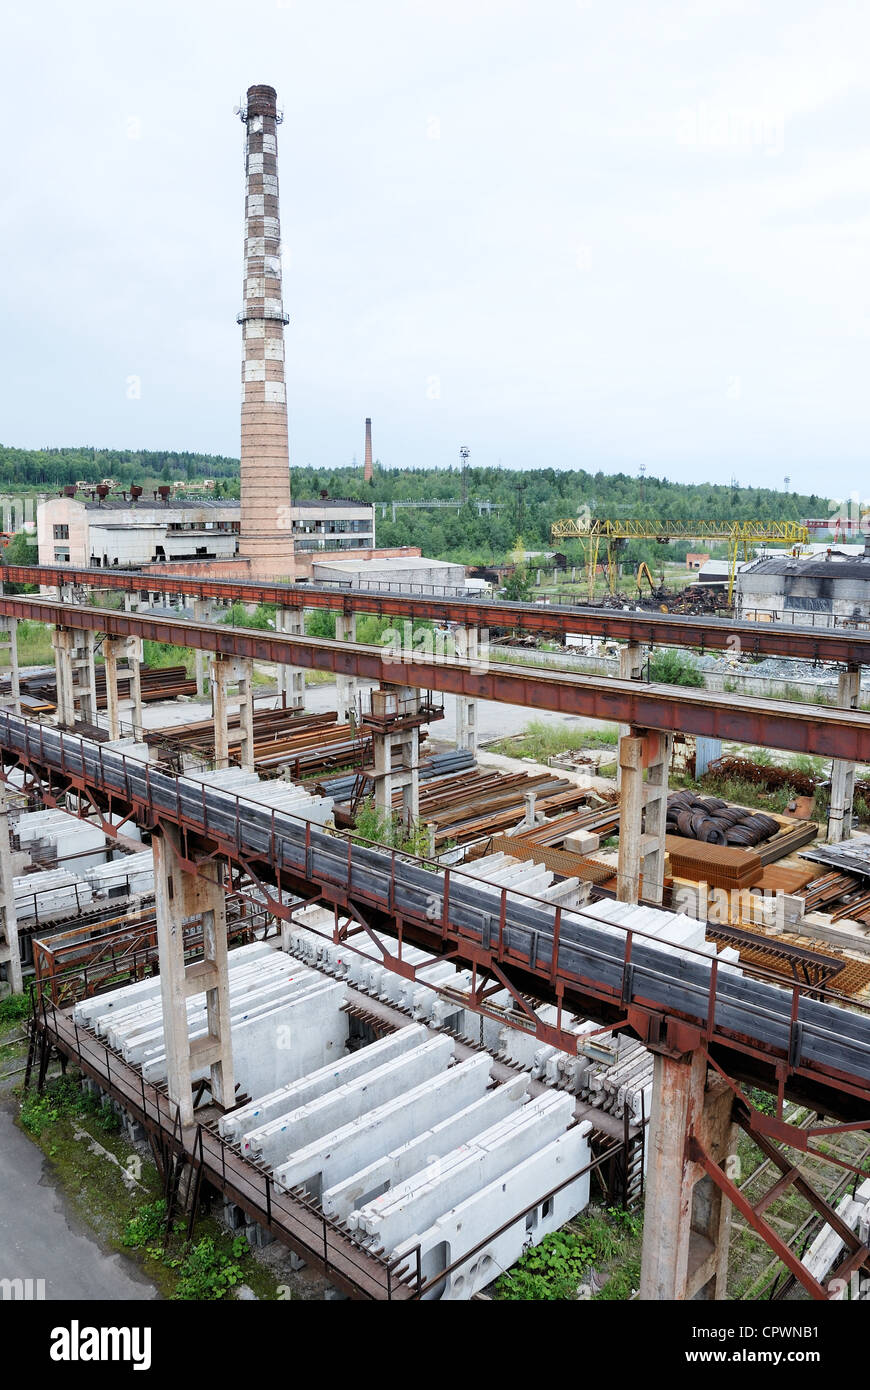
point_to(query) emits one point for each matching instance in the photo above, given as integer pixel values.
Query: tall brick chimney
(367, 474)
(266, 535)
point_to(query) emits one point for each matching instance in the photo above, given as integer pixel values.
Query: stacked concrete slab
(132, 874)
(279, 795)
(615, 1074)
(65, 837)
(286, 1020)
(422, 1156)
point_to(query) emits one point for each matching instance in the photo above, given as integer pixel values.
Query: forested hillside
(527, 501)
(51, 468)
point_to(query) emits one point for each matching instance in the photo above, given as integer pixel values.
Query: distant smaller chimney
(368, 471)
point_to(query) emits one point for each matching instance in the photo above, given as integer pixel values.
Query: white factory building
(126, 531)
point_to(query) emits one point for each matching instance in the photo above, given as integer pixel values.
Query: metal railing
(540, 956)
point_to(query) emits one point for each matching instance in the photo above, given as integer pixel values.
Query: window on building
(61, 533)
(61, 554)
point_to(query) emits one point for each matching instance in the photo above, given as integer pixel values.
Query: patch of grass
(65, 1098)
(563, 1261)
(158, 655)
(34, 644)
(14, 1008)
(669, 667)
(541, 741)
(132, 1219)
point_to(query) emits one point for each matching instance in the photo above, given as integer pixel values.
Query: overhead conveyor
(849, 645)
(818, 729)
(672, 996)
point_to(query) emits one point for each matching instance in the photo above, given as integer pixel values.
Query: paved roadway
(40, 1238)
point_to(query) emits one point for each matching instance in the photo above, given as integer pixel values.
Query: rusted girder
(824, 730)
(552, 620)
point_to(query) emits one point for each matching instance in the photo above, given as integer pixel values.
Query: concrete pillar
(10, 956)
(686, 1218)
(75, 675)
(345, 686)
(842, 771)
(127, 710)
(10, 626)
(203, 612)
(291, 679)
(631, 659)
(183, 896)
(223, 670)
(218, 683)
(467, 646)
(642, 815)
(246, 714)
(396, 753)
(630, 763)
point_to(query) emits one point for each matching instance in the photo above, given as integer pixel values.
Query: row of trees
(527, 502)
(56, 467)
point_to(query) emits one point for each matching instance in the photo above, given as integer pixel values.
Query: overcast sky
(586, 233)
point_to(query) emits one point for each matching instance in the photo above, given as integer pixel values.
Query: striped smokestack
(367, 474)
(266, 534)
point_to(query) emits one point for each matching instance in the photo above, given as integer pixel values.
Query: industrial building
(821, 589)
(129, 531)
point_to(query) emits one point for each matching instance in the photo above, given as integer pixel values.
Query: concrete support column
(10, 957)
(222, 671)
(396, 750)
(345, 686)
(218, 676)
(184, 896)
(687, 1218)
(128, 709)
(246, 714)
(203, 612)
(291, 679)
(411, 777)
(467, 645)
(843, 772)
(75, 675)
(642, 815)
(631, 659)
(10, 626)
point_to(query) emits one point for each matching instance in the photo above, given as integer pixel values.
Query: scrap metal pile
(763, 775)
(715, 822)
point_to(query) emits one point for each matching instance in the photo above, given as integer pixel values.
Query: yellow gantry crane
(592, 531)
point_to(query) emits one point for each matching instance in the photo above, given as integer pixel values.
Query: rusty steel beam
(554, 620)
(822, 730)
(813, 1051)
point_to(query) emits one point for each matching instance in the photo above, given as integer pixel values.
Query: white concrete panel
(460, 1128)
(341, 1153)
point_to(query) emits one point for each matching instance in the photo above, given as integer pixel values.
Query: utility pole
(463, 454)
